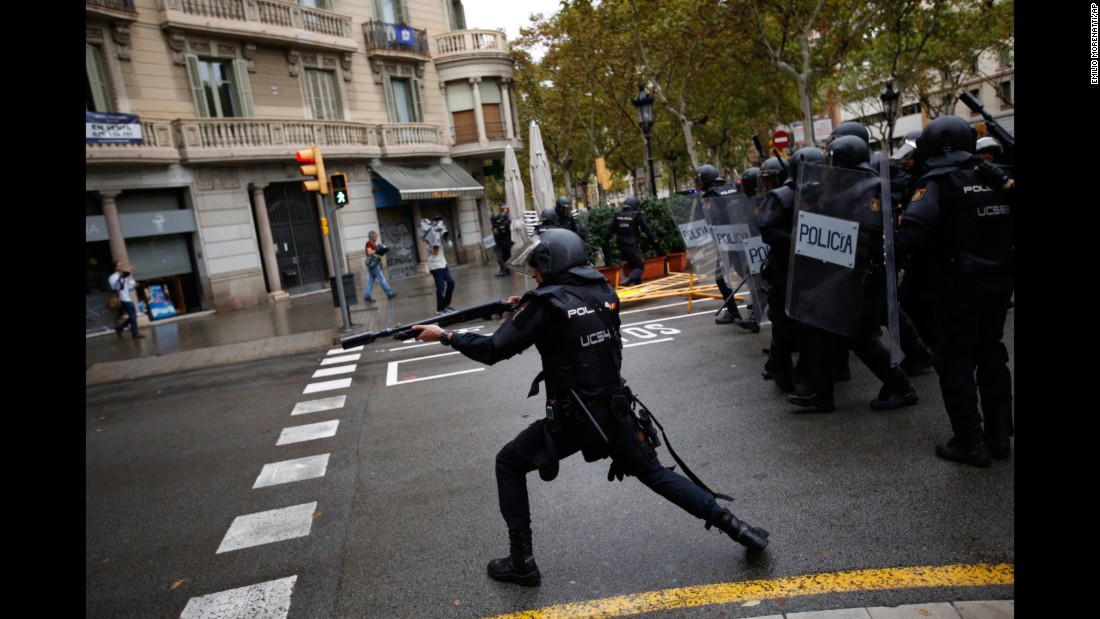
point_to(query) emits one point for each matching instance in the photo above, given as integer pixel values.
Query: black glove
(993, 174)
(615, 472)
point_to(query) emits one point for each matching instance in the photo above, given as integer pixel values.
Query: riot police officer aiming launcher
(572, 319)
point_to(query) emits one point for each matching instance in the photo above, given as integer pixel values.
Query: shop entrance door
(296, 233)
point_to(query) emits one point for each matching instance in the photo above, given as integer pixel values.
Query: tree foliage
(723, 70)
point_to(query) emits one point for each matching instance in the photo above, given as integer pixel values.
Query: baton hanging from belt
(587, 413)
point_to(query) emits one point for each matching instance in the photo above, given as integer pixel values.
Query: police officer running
(572, 319)
(502, 238)
(625, 225)
(967, 223)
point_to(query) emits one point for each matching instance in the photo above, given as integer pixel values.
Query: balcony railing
(467, 42)
(211, 140)
(114, 5)
(384, 36)
(277, 13)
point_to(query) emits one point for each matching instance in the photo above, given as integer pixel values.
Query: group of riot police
(826, 217)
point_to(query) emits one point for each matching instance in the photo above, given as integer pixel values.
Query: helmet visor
(523, 261)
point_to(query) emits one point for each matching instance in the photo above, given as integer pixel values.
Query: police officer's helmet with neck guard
(811, 154)
(947, 141)
(706, 176)
(553, 252)
(849, 152)
(773, 173)
(850, 128)
(631, 203)
(750, 180)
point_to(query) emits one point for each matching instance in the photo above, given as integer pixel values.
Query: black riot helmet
(848, 152)
(749, 180)
(549, 216)
(947, 141)
(812, 154)
(564, 206)
(772, 174)
(706, 176)
(631, 203)
(850, 128)
(553, 252)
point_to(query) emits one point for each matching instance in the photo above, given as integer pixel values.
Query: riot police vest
(585, 353)
(626, 226)
(975, 230)
(502, 228)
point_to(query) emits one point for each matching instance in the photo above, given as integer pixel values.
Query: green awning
(440, 180)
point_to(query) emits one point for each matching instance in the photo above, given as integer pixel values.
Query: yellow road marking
(754, 590)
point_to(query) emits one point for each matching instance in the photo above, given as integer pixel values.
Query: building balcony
(396, 41)
(277, 22)
(469, 53)
(112, 9)
(233, 140)
(467, 143)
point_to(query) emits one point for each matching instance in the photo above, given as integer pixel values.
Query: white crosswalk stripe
(307, 432)
(292, 470)
(274, 525)
(266, 600)
(329, 385)
(315, 406)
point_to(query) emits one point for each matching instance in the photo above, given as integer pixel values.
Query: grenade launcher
(486, 311)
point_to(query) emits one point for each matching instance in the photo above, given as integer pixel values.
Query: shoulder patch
(876, 205)
(917, 195)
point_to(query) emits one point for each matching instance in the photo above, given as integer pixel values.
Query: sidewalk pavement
(301, 324)
(312, 322)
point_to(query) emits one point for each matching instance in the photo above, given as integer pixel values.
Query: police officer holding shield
(572, 319)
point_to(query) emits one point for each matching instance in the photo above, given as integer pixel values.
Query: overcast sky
(507, 14)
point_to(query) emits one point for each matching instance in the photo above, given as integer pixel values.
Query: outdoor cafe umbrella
(513, 192)
(542, 184)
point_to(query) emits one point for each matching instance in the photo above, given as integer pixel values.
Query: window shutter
(402, 11)
(391, 107)
(198, 93)
(244, 87)
(97, 79)
(417, 113)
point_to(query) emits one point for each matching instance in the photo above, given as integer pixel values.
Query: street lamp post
(889, 100)
(644, 103)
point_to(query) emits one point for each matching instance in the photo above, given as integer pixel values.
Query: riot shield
(836, 240)
(741, 251)
(893, 327)
(687, 213)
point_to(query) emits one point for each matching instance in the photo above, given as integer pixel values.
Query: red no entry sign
(780, 139)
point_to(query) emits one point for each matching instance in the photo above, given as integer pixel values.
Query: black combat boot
(998, 428)
(753, 538)
(519, 566)
(973, 453)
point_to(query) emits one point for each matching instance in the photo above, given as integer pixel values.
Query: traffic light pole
(337, 260)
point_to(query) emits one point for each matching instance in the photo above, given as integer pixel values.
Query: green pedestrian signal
(338, 183)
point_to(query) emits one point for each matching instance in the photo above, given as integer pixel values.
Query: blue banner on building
(404, 35)
(108, 128)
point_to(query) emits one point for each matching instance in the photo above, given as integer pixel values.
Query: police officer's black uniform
(968, 227)
(502, 237)
(572, 319)
(776, 220)
(625, 225)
